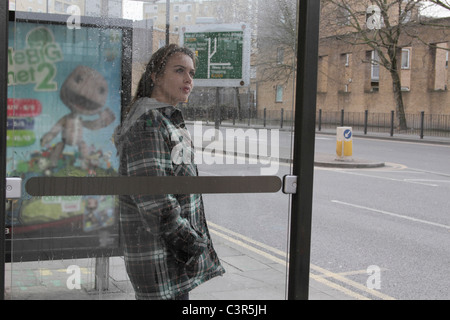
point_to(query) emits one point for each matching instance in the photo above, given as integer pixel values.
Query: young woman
(168, 249)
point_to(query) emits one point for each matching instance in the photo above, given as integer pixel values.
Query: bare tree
(434, 14)
(276, 40)
(442, 3)
(379, 25)
(237, 11)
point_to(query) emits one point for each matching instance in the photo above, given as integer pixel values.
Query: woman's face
(175, 84)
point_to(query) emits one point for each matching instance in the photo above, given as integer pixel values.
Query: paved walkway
(252, 273)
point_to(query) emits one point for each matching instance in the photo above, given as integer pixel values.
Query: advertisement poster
(64, 100)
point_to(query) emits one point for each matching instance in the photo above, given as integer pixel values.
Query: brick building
(349, 80)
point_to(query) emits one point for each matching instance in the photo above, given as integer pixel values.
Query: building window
(343, 17)
(280, 55)
(405, 72)
(439, 67)
(279, 94)
(374, 17)
(446, 60)
(372, 80)
(406, 16)
(406, 58)
(322, 75)
(375, 67)
(252, 72)
(150, 9)
(346, 58)
(346, 72)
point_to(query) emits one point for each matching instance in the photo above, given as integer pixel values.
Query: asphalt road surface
(383, 233)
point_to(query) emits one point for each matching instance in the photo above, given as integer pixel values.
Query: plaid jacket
(168, 249)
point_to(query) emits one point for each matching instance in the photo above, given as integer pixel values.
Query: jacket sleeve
(148, 154)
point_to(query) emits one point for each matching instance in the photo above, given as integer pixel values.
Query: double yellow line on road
(280, 257)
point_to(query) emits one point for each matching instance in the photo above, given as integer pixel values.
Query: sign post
(344, 143)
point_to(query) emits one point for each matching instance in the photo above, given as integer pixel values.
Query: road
(396, 218)
(383, 233)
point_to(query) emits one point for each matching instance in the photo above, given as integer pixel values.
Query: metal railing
(419, 124)
(246, 117)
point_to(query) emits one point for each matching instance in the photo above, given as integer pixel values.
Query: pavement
(254, 271)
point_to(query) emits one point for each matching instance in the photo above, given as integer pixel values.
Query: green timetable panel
(223, 55)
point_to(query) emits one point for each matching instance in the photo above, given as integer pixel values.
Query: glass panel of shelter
(73, 68)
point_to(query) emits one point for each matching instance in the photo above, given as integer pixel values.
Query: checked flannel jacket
(167, 246)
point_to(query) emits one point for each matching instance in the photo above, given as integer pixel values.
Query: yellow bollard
(344, 143)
